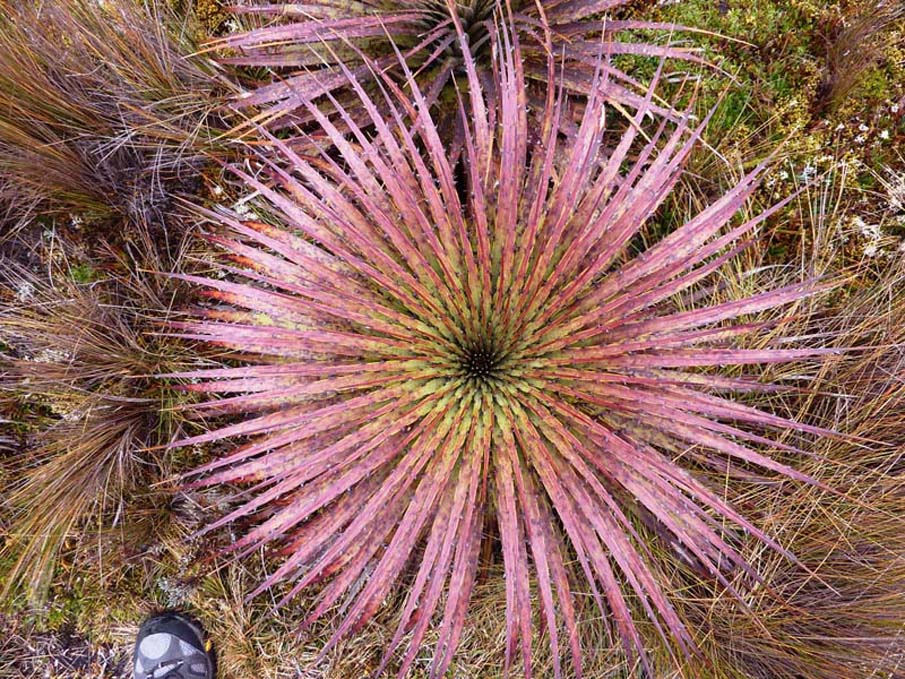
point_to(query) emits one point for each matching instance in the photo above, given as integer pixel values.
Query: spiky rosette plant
(428, 360)
(308, 44)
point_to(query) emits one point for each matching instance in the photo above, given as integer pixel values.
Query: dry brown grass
(104, 112)
(842, 614)
(846, 617)
(83, 357)
(855, 42)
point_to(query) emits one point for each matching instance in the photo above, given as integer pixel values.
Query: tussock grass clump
(7, 435)
(104, 112)
(854, 44)
(82, 358)
(843, 615)
(431, 360)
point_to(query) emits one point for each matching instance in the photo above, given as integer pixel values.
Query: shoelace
(167, 670)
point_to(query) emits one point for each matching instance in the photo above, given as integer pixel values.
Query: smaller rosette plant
(309, 46)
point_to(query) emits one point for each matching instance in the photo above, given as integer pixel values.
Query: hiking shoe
(170, 646)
